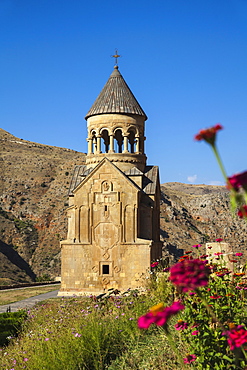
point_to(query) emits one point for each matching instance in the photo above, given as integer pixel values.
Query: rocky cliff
(34, 184)
(35, 180)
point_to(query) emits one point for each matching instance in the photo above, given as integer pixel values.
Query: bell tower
(115, 125)
(114, 200)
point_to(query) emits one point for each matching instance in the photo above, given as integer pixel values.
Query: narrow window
(105, 269)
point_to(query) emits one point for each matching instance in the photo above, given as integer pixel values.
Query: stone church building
(114, 200)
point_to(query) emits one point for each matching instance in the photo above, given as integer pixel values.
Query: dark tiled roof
(80, 172)
(149, 182)
(116, 97)
(133, 172)
(150, 179)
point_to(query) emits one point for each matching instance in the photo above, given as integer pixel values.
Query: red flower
(154, 264)
(238, 254)
(189, 274)
(196, 246)
(189, 359)
(215, 296)
(242, 211)
(218, 240)
(236, 337)
(196, 332)
(208, 134)
(159, 315)
(181, 325)
(239, 180)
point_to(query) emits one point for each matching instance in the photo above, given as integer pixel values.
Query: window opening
(105, 269)
(94, 142)
(119, 140)
(106, 140)
(132, 141)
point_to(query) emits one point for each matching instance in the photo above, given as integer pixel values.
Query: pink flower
(218, 240)
(238, 254)
(154, 264)
(242, 212)
(239, 180)
(236, 337)
(181, 325)
(196, 246)
(159, 315)
(189, 359)
(189, 274)
(196, 332)
(208, 134)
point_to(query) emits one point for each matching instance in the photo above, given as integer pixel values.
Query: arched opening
(94, 139)
(106, 140)
(132, 142)
(118, 141)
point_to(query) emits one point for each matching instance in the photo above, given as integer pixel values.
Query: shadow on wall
(16, 259)
(174, 251)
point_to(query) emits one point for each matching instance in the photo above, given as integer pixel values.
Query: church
(114, 200)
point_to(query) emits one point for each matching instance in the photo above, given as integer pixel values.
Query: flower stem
(209, 309)
(217, 156)
(174, 347)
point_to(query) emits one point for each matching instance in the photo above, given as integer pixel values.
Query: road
(28, 303)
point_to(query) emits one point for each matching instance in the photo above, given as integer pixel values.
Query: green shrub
(10, 325)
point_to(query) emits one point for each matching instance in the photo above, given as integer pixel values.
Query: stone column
(98, 150)
(137, 144)
(111, 150)
(143, 141)
(125, 148)
(77, 224)
(89, 146)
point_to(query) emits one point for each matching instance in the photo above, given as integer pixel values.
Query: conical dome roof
(116, 97)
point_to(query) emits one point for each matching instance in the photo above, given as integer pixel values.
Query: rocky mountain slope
(197, 214)
(34, 183)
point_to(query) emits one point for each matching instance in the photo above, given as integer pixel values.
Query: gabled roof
(149, 182)
(134, 171)
(116, 97)
(80, 175)
(150, 179)
(80, 172)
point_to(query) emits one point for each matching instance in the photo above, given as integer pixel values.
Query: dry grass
(14, 295)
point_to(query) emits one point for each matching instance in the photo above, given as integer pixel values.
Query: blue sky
(185, 62)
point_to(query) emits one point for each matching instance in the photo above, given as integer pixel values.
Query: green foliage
(205, 331)
(10, 325)
(44, 277)
(97, 333)
(23, 225)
